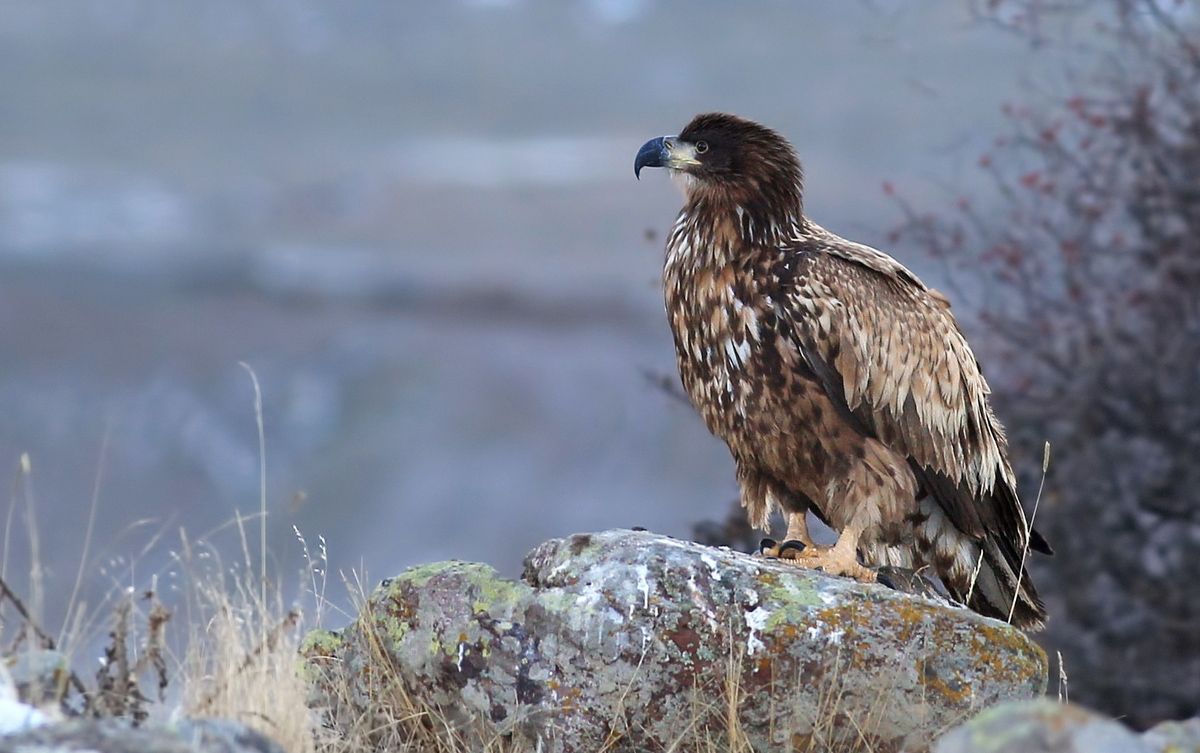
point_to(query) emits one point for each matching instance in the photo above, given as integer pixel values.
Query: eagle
(840, 382)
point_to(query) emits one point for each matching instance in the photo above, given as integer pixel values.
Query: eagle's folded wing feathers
(909, 377)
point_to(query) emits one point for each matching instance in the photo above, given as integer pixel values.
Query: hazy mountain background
(418, 223)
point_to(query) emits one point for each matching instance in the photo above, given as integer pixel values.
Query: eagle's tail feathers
(995, 591)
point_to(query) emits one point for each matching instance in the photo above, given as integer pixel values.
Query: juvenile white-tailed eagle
(840, 382)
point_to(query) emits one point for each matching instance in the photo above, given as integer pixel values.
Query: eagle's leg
(839, 559)
(797, 529)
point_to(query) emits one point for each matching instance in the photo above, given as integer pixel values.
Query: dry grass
(234, 656)
(1063, 695)
(1029, 528)
(240, 659)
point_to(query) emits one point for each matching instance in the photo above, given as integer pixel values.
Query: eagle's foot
(795, 540)
(833, 560)
(781, 549)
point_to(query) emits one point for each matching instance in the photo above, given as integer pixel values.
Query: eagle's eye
(701, 147)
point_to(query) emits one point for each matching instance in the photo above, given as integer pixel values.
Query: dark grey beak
(652, 154)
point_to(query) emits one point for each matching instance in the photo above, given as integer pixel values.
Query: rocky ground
(628, 641)
(633, 641)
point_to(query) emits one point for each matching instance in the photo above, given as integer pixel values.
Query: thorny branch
(47, 640)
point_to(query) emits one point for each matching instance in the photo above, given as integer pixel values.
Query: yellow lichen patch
(394, 619)
(995, 646)
(318, 650)
(420, 575)
(844, 620)
(568, 697)
(320, 643)
(956, 693)
(913, 618)
(494, 591)
(789, 595)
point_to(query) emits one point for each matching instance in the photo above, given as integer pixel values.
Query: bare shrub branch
(1084, 267)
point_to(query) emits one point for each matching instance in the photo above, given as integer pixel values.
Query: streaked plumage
(839, 381)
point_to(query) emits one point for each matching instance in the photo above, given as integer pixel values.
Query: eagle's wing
(904, 367)
(888, 352)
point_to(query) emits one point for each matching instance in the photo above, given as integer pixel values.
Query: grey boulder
(115, 736)
(1174, 737)
(627, 640)
(1045, 726)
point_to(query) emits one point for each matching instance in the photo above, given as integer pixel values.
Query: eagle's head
(722, 158)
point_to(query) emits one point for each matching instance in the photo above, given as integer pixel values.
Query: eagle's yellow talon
(787, 549)
(791, 549)
(832, 561)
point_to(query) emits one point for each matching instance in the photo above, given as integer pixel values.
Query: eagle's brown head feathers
(729, 164)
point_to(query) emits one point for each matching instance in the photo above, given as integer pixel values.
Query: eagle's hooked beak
(664, 151)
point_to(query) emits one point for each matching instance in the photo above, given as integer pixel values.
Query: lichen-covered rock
(15, 714)
(632, 641)
(115, 736)
(1044, 726)
(1174, 737)
(40, 676)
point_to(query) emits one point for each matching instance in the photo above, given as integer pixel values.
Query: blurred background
(418, 224)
